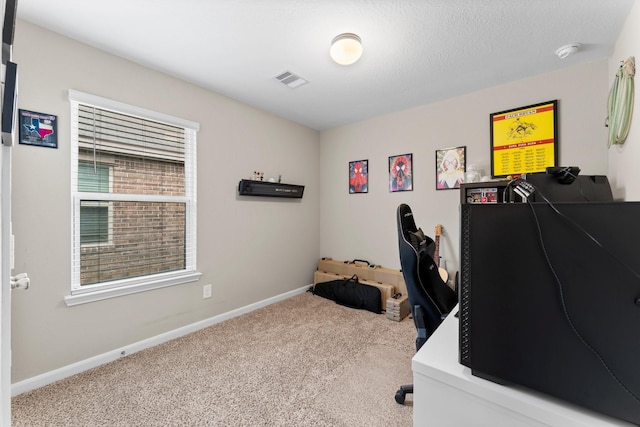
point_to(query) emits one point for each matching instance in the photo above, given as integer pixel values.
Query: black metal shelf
(488, 192)
(248, 187)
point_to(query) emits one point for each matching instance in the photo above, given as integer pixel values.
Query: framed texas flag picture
(38, 129)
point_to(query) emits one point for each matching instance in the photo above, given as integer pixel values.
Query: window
(133, 188)
(96, 223)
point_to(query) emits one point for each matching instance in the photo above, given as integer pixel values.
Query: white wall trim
(133, 286)
(83, 365)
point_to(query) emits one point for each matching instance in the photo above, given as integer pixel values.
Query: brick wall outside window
(146, 237)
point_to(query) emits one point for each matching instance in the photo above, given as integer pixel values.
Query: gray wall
(624, 172)
(363, 225)
(254, 249)
(248, 249)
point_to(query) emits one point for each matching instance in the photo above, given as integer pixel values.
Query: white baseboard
(83, 365)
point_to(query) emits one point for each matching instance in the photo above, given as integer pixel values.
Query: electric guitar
(436, 255)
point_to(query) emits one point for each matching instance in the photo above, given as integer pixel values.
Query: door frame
(5, 286)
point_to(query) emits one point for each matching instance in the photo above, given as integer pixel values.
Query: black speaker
(8, 29)
(9, 100)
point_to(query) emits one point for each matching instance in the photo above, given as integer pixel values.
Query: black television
(550, 300)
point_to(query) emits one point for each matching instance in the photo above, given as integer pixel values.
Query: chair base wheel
(402, 392)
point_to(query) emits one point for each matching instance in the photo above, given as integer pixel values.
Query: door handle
(20, 281)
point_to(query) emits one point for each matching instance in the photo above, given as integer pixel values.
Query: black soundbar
(270, 189)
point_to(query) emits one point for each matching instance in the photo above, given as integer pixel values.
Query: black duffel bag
(351, 293)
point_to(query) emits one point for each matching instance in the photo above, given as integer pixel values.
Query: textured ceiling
(415, 52)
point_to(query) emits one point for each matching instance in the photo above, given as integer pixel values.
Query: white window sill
(101, 294)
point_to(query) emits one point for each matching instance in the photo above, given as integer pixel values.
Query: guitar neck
(436, 253)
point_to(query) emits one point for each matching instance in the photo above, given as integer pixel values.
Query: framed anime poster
(401, 173)
(38, 129)
(524, 140)
(359, 176)
(450, 167)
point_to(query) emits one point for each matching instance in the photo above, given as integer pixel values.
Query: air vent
(291, 80)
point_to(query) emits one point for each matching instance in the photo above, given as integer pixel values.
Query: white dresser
(446, 394)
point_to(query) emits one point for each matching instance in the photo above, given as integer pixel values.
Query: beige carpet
(305, 361)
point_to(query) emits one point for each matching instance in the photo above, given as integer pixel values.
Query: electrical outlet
(206, 291)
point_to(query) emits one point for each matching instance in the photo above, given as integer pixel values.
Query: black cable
(561, 288)
(586, 233)
(567, 171)
(504, 192)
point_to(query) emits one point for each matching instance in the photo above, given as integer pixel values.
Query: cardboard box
(398, 308)
(345, 268)
(363, 271)
(323, 276)
(388, 275)
(332, 266)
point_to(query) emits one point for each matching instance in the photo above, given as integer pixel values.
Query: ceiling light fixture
(567, 50)
(346, 48)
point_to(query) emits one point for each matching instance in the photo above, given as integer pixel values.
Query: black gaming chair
(430, 298)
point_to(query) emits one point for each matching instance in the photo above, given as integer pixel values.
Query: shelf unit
(248, 187)
(489, 192)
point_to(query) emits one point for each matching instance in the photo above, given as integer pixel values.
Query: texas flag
(43, 128)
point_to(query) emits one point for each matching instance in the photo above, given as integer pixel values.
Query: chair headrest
(412, 234)
(405, 219)
(418, 240)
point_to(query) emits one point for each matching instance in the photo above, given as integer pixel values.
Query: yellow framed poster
(524, 140)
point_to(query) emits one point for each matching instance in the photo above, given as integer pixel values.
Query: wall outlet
(206, 291)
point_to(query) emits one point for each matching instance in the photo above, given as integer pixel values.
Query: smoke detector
(567, 50)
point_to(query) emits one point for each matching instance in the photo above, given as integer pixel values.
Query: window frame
(109, 241)
(80, 294)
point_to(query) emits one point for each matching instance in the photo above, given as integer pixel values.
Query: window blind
(134, 197)
(109, 131)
